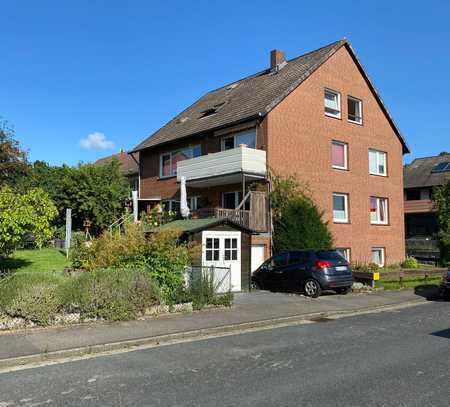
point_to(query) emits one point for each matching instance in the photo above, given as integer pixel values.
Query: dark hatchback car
(310, 271)
(444, 288)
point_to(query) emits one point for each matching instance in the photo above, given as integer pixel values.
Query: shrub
(113, 295)
(162, 254)
(33, 296)
(410, 263)
(297, 220)
(365, 267)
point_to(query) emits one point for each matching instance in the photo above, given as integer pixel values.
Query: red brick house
(318, 117)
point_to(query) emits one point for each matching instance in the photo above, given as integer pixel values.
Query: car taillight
(322, 264)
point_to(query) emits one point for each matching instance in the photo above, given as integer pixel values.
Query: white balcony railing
(238, 160)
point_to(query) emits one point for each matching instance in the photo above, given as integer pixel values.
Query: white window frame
(236, 198)
(171, 154)
(339, 109)
(359, 101)
(377, 155)
(346, 219)
(347, 252)
(345, 155)
(383, 255)
(378, 222)
(234, 136)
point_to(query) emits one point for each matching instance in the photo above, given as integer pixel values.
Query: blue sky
(112, 72)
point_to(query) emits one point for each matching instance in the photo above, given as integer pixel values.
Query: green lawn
(410, 283)
(48, 259)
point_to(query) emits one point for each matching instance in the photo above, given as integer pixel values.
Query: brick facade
(300, 137)
(297, 137)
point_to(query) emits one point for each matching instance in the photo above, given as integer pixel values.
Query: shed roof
(197, 225)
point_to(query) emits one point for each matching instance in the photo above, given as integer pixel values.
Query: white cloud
(96, 141)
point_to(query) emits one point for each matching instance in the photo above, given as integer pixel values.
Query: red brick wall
(299, 142)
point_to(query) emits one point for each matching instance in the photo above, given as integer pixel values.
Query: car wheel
(343, 290)
(255, 285)
(312, 288)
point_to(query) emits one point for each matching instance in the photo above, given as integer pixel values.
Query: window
(354, 109)
(171, 205)
(280, 260)
(332, 103)
(298, 257)
(377, 162)
(345, 253)
(378, 210)
(247, 137)
(231, 249)
(231, 200)
(442, 167)
(212, 249)
(339, 155)
(340, 208)
(168, 161)
(378, 256)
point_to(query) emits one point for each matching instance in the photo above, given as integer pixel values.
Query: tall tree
(13, 160)
(441, 198)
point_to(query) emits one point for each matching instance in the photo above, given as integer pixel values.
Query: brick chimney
(277, 59)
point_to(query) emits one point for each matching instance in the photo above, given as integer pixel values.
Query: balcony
(225, 167)
(255, 219)
(419, 206)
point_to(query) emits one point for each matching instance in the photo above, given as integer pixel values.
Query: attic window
(212, 110)
(442, 167)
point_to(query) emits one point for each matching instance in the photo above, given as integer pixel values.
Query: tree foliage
(22, 214)
(93, 192)
(297, 221)
(441, 198)
(13, 160)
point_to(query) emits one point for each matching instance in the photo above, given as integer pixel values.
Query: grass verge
(41, 260)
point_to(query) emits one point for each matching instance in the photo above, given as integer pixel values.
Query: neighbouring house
(421, 226)
(318, 117)
(128, 165)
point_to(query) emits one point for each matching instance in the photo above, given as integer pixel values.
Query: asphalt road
(395, 358)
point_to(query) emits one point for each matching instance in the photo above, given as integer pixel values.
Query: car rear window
(329, 255)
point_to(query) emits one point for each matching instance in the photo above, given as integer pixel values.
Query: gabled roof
(127, 164)
(420, 172)
(252, 97)
(197, 225)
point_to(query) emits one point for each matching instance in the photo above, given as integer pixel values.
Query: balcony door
(222, 250)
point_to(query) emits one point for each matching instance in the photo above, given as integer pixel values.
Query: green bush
(297, 220)
(33, 296)
(201, 292)
(113, 295)
(162, 254)
(410, 263)
(365, 267)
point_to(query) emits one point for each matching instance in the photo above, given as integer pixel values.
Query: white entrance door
(222, 249)
(257, 256)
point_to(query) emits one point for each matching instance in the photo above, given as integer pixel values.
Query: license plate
(341, 268)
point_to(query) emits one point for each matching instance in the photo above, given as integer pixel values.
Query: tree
(22, 214)
(13, 160)
(441, 197)
(297, 220)
(93, 192)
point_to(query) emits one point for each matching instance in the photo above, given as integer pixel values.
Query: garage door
(257, 256)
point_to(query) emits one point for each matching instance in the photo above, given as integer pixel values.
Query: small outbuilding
(225, 245)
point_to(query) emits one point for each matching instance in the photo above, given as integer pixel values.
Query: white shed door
(222, 249)
(257, 256)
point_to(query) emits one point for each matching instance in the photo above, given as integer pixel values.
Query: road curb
(31, 361)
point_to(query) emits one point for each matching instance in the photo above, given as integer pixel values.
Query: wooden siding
(419, 206)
